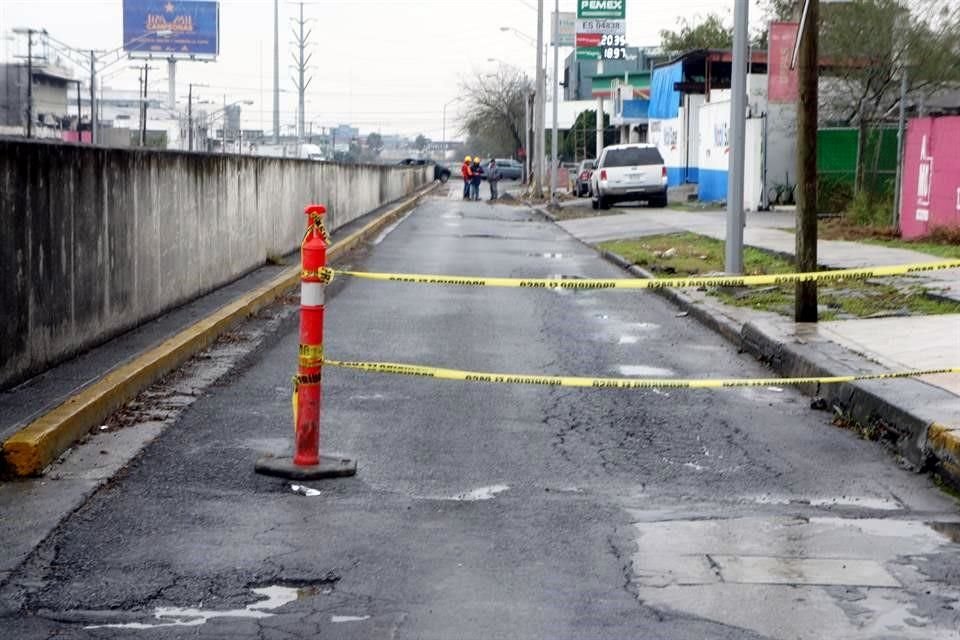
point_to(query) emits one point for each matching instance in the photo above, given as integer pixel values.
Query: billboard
(181, 29)
(567, 21)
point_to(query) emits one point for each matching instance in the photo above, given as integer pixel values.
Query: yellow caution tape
(311, 355)
(658, 283)
(617, 383)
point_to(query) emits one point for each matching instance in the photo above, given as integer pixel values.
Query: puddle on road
(483, 493)
(632, 370)
(338, 619)
(304, 490)
(862, 502)
(387, 230)
(816, 577)
(276, 597)
(549, 256)
(628, 340)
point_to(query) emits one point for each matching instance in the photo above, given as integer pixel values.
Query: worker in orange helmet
(467, 174)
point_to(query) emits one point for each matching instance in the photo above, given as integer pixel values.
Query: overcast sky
(387, 65)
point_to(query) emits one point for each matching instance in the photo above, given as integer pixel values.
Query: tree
(374, 144)
(868, 44)
(421, 142)
(494, 112)
(774, 11)
(710, 33)
(581, 140)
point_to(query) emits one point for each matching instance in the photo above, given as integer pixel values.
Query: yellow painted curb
(944, 440)
(29, 451)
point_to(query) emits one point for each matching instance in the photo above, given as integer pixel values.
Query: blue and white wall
(667, 134)
(714, 156)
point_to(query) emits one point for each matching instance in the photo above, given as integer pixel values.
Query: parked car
(440, 172)
(581, 180)
(626, 172)
(509, 169)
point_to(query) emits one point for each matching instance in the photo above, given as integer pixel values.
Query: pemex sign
(601, 29)
(610, 9)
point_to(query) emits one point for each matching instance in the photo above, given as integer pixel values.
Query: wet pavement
(494, 511)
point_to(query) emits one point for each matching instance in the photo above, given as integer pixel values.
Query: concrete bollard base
(328, 467)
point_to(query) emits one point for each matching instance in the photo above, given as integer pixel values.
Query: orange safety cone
(306, 462)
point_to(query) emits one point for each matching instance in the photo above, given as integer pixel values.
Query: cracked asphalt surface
(494, 511)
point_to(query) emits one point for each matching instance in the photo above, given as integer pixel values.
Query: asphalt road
(483, 511)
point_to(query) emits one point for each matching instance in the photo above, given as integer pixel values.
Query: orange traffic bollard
(306, 462)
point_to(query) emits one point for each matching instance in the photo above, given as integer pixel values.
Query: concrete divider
(96, 241)
(31, 449)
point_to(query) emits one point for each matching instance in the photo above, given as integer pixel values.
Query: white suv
(629, 172)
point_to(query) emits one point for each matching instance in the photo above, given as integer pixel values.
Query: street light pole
(553, 133)
(444, 129)
(738, 128)
(538, 110)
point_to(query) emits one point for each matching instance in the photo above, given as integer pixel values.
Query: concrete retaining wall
(94, 241)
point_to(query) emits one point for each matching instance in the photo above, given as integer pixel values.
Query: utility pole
(276, 71)
(94, 129)
(599, 114)
(538, 110)
(190, 118)
(172, 83)
(805, 302)
(140, 110)
(29, 83)
(556, 83)
(736, 216)
(143, 133)
(301, 60)
(526, 134)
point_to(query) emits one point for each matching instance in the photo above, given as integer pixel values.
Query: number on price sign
(613, 53)
(612, 40)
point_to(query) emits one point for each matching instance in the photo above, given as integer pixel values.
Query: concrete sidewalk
(764, 230)
(921, 417)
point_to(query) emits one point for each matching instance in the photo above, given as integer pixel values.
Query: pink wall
(931, 176)
(782, 85)
(74, 136)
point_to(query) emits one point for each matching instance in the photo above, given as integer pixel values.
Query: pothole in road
(275, 596)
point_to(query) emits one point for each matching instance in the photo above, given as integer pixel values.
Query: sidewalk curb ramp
(31, 449)
(906, 422)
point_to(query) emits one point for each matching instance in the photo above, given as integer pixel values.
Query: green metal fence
(837, 164)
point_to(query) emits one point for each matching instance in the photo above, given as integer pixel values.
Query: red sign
(589, 39)
(782, 83)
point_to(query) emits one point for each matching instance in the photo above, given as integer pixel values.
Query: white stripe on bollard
(311, 294)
